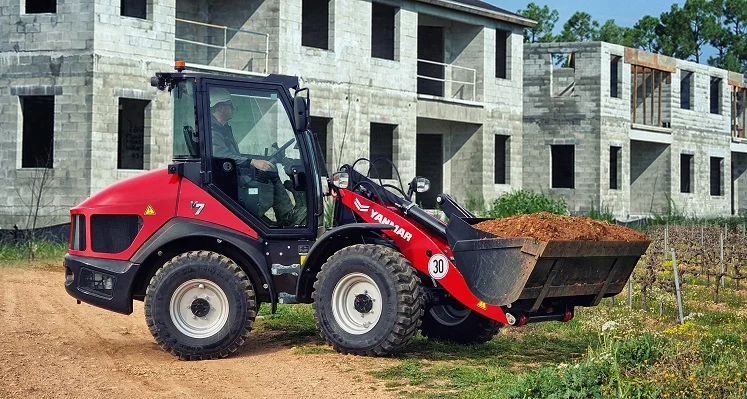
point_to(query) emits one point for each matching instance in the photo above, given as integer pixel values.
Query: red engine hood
(152, 188)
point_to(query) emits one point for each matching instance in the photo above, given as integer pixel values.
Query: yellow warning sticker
(482, 305)
(149, 211)
(303, 259)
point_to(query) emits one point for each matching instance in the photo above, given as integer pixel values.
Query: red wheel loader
(236, 221)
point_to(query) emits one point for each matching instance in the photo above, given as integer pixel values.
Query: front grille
(78, 233)
(113, 234)
(97, 282)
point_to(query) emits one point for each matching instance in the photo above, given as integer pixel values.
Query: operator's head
(221, 105)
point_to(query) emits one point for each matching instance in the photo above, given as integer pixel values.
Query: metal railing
(225, 47)
(449, 83)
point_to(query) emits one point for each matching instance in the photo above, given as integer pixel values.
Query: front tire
(457, 323)
(367, 300)
(200, 305)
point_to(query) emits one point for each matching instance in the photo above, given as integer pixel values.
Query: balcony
(444, 80)
(222, 48)
(450, 59)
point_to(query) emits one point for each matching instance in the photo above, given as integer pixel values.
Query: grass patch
(296, 322)
(638, 355)
(43, 250)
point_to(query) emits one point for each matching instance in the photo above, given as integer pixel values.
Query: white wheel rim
(199, 308)
(356, 289)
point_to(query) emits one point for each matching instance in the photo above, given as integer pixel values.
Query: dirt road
(52, 348)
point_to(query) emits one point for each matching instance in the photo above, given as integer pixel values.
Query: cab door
(255, 161)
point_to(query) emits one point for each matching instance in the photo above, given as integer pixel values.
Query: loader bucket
(503, 271)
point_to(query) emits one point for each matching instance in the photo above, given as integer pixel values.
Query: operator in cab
(259, 182)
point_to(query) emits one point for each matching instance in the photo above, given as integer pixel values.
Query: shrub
(523, 202)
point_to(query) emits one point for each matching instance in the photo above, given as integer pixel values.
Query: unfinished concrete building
(633, 132)
(436, 85)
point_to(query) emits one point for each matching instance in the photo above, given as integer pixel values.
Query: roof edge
(506, 17)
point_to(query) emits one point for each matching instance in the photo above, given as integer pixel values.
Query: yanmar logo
(397, 230)
(361, 207)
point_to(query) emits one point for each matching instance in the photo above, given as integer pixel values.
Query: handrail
(473, 81)
(225, 46)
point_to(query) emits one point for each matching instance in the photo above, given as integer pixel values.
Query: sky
(624, 12)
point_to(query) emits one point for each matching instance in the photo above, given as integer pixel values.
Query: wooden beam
(661, 83)
(643, 86)
(635, 91)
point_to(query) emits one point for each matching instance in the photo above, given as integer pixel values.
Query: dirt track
(52, 348)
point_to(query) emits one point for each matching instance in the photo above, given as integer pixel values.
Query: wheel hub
(357, 303)
(200, 307)
(363, 303)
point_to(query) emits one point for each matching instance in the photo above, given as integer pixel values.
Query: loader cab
(239, 140)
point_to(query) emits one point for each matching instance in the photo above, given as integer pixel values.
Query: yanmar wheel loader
(237, 221)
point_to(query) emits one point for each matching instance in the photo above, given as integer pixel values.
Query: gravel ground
(52, 348)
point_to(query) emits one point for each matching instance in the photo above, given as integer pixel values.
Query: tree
(611, 32)
(546, 20)
(730, 38)
(643, 34)
(673, 34)
(579, 28)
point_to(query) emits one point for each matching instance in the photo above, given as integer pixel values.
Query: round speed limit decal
(438, 266)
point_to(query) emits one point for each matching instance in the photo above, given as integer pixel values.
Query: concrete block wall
(562, 120)
(128, 52)
(91, 56)
(261, 16)
(649, 175)
(355, 89)
(45, 54)
(614, 131)
(704, 135)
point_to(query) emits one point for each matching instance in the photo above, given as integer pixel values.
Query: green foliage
(580, 27)
(546, 20)
(611, 32)
(475, 205)
(638, 351)
(42, 250)
(523, 202)
(583, 381)
(602, 213)
(682, 32)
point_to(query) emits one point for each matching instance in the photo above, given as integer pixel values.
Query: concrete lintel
(651, 137)
(687, 151)
(740, 147)
(568, 141)
(36, 90)
(135, 94)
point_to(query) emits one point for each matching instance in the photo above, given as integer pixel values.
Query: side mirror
(300, 113)
(419, 185)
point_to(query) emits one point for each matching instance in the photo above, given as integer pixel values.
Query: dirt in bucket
(547, 226)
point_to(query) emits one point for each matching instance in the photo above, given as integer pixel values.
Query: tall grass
(15, 251)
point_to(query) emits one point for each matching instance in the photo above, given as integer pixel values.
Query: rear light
(97, 282)
(78, 233)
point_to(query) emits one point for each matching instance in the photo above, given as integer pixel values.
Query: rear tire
(200, 305)
(367, 300)
(459, 324)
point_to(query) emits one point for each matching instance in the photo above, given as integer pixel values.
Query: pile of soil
(547, 226)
